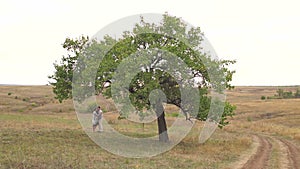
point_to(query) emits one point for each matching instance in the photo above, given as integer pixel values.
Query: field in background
(276, 116)
(38, 132)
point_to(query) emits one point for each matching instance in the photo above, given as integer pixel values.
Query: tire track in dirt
(289, 153)
(283, 158)
(293, 154)
(260, 159)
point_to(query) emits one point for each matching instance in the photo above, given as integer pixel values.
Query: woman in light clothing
(97, 119)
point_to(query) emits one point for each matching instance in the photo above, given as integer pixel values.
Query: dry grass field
(38, 132)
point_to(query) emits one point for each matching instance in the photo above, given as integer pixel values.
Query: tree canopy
(149, 65)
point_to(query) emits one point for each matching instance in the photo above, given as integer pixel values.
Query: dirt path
(283, 159)
(293, 154)
(288, 155)
(260, 159)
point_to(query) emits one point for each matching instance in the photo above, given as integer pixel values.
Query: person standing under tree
(97, 119)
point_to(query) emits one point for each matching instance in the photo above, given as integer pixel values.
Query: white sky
(262, 35)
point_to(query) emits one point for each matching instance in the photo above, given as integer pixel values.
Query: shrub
(263, 97)
(249, 119)
(297, 93)
(280, 93)
(25, 99)
(121, 117)
(33, 104)
(288, 94)
(9, 93)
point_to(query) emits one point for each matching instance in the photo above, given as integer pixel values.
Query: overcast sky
(262, 35)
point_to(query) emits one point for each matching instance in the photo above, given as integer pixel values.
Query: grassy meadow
(36, 131)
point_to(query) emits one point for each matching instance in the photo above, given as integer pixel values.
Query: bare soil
(289, 153)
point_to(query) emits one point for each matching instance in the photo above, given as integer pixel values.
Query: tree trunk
(162, 128)
(161, 123)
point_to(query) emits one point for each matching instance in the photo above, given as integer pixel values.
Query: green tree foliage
(184, 43)
(281, 94)
(297, 93)
(62, 85)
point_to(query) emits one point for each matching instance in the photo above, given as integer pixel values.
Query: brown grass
(38, 132)
(276, 116)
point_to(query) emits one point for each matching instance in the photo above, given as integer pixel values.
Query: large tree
(203, 73)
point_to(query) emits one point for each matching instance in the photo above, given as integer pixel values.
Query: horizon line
(249, 85)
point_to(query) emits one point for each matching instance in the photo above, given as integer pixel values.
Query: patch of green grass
(173, 114)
